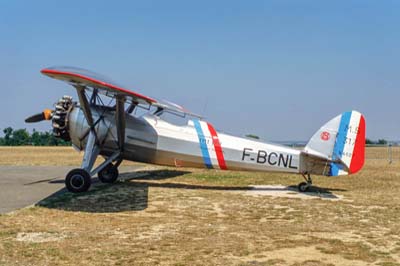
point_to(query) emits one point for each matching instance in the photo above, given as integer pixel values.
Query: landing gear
(109, 174)
(78, 180)
(305, 186)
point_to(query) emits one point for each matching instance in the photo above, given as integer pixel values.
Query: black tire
(303, 187)
(78, 180)
(109, 174)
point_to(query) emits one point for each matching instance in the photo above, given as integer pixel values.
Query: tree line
(21, 137)
(379, 142)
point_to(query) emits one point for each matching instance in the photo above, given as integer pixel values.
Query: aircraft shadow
(153, 174)
(313, 192)
(131, 194)
(103, 198)
(318, 192)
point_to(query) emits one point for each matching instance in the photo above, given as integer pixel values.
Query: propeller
(47, 114)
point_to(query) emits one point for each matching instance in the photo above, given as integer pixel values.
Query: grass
(201, 217)
(44, 156)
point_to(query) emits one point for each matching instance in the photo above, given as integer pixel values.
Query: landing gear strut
(305, 186)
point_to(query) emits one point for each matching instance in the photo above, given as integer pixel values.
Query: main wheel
(303, 187)
(78, 180)
(109, 174)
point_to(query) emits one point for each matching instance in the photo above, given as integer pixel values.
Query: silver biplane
(116, 133)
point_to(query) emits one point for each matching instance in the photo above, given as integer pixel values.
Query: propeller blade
(35, 118)
(47, 114)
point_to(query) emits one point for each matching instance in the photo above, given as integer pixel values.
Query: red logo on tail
(325, 136)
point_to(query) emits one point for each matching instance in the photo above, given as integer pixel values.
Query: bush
(21, 137)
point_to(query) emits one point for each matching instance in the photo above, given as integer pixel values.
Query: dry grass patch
(45, 156)
(172, 217)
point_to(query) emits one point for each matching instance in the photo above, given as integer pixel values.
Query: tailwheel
(305, 186)
(109, 174)
(78, 180)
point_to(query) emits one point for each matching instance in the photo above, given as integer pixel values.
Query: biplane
(116, 132)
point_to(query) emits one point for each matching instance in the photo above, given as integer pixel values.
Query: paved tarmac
(21, 186)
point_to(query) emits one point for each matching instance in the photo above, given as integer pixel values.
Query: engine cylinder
(60, 118)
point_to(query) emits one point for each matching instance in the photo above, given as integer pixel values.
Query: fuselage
(151, 139)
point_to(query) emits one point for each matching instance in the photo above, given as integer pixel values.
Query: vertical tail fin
(342, 142)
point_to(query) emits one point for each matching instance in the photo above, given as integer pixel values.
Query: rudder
(341, 141)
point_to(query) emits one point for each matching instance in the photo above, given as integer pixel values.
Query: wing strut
(131, 107)
(85, 104)
(120, 121)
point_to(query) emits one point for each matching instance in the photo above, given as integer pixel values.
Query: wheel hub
(107, 174)
(77, 181)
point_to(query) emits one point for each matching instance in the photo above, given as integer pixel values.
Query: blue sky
(277, 69)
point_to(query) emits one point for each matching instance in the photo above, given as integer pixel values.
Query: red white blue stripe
(349, 146)
(203, 144)
(210, 145)
(340, 143)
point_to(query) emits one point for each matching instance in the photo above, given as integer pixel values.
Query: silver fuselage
(150, 139)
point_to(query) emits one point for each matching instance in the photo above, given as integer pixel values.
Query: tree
(35, 138)
(251, 136)
(7, 135)
(382, 142)
(20, 137)
(368, 141)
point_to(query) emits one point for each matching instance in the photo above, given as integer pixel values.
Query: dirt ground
(167, 216)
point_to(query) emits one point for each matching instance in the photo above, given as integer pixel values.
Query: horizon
(283, 142)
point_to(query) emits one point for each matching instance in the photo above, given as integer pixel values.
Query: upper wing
(78, 76)
(83, 77)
